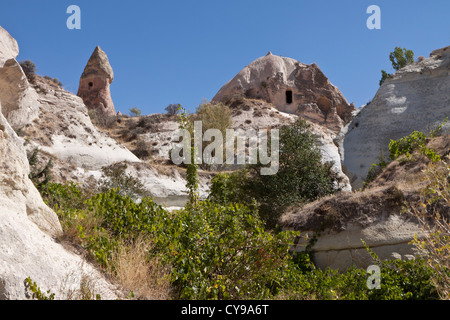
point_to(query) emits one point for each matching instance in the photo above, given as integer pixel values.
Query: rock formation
(291, 87)
(18, 99)
(28, 228)
(95, 82)
(69, 134)
(374, 215)
(27, 232)
(416, 97)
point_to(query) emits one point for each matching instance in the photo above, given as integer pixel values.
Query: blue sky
(184, 51)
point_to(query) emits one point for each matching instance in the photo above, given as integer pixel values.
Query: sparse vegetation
(40, 176)
(54, 80)
(400, 58)
(432, 212)
(29, 68)
(173, 109)
(135, 112)
(405, 147)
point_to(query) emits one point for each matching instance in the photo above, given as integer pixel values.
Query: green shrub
(223, 252)
(301, 178)
(407, 145)
(40, 176)
(32, 291)
(124, 183)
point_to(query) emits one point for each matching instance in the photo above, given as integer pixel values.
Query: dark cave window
(288, 96)
(91, 84)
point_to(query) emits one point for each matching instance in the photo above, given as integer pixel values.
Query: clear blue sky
(183, 51)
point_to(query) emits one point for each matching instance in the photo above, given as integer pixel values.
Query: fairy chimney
(95, 82)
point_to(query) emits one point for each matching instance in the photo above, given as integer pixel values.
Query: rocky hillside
(28, 228)
(374, 215)
(83, 137)
(414, 98)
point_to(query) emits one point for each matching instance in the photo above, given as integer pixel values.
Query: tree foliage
(399, 58)
(301, 178)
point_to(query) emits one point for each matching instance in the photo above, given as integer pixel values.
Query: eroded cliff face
(19, 100)
(28, 228)
(292, 87)
(416, 97)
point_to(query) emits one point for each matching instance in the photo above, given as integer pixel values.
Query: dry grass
(433, 213)
(146, 278)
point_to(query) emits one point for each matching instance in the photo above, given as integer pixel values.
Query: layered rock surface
(416, 97)
(292, 87)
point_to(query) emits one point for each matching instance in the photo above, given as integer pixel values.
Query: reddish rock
(94, 84)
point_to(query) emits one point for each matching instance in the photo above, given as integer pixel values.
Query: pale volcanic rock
(27, 234)
(69, 134)
(416, 97)
(292, 87)
(95, 83)
(18, 99)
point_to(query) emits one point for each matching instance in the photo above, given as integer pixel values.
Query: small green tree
(135, 112)
(302, 177)
(400, 58)
(173, 109)
(185, 123)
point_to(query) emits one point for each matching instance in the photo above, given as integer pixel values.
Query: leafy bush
(432, 212)
(407, 145)
(223, 252)
(302, 177)
(124, 183)
(400, 280)
(32, 291)
(213, 116)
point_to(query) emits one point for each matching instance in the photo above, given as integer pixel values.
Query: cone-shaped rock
(94, 84)
(292, 87)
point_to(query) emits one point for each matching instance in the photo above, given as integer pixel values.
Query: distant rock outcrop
(95, 82)
(291, 87)
(18, 99)
(416, 97)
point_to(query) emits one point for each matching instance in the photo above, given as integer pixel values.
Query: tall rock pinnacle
(95, 82)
